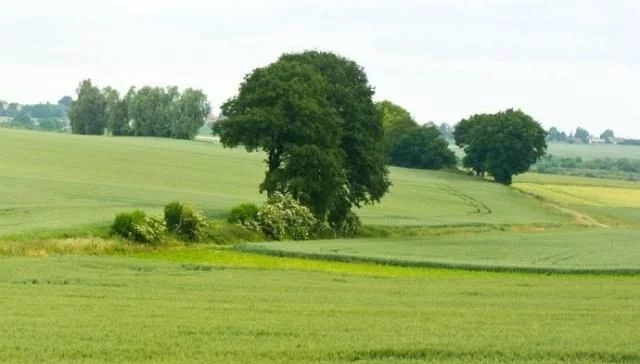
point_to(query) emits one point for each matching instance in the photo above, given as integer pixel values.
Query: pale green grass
(611, 202)
(60, 181)
(95, 310)
(585, 250)
(593, 151)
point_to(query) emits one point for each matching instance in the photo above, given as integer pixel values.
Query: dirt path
(578, 217)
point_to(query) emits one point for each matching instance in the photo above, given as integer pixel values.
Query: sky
(567, 63)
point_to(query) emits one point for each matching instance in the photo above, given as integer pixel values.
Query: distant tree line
(410, 145)
(148, 111)
(582, 135)
(600, 167)
(41, 116)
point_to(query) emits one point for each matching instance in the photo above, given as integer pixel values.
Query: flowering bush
(283, 217)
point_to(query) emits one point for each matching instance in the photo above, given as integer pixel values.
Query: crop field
(61, 180)
(585, 250)
(102, 309)
(455, 278)
(593, 151)
(613, 203)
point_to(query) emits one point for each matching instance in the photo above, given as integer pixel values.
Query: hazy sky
(565, 62)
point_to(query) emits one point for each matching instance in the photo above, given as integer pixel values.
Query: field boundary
(346, 258)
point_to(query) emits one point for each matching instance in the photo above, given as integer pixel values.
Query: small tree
(607, 135)
(583, 135)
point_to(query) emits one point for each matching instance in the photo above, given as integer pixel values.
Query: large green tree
(191, 111)
(503, 144)
(87, 114)
(312, 114)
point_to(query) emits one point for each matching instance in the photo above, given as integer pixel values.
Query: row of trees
(34, 111)
(581, 134)
(149, 111)
(327, 143)
(410, 145)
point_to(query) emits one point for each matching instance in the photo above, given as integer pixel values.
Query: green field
(91, 310)
(54, 181)
(593, 151)
(586, 250)
(449, 273)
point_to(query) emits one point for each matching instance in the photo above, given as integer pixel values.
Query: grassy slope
(120, 310)
(60, 181)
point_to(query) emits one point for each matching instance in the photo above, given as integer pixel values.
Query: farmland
(101, 309)
(382, 298)
(63, 180)
(592, 151)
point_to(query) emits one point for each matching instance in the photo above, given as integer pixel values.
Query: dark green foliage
(608, 135)
(243, 213)
(182, 220)
(22, 120)
(422, 147)
(583, 135)
(312, 114)
(503, 144)
(43, 111)
(191, 224)
(172, 213)
(117, 113)
(555, 135)
(412, 146)
(65, 102)
(137, 226)
(50, 124)
(191, 110)
(88, 113)
(620, 168)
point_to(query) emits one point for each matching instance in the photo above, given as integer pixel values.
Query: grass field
(585, 250)
(101, 309)
(615, 203)
(593, 151)
(91, 299)
(59, 180)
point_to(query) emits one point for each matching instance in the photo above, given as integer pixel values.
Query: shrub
(283, 217)
(243, 214)
(351, 226)
(184, 221)
(139, 227)
(172, 213)
(191, 224)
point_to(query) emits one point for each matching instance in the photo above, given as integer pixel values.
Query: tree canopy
(312, 114)
(608, 135)
(409, 145)
(503, 144)
(88, 113)
(582, 134)
(555, 135)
